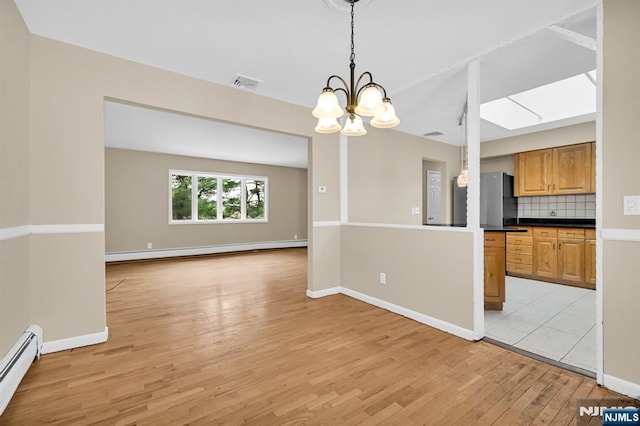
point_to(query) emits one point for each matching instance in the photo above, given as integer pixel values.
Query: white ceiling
(146, 129)
(417, 49)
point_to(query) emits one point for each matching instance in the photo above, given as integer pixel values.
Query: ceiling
(417, 49)
(145, 129)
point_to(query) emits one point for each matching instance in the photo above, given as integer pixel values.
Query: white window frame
(219, 176)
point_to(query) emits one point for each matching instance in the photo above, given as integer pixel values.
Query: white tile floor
(552, 320)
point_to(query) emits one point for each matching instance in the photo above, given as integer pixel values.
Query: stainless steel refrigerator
(498, 206)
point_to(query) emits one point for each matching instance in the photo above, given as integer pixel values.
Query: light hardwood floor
(233, 339)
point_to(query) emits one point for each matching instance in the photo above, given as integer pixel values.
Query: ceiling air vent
(246, 82)
(436, 133)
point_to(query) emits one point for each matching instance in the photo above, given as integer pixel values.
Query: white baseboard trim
(622, 386)
(416, 316)
(194, 251)
(614, 234)
(75, 342)
(315, 294)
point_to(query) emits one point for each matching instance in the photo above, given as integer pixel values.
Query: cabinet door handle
(554, 246)
(489, 239)
(560, 246)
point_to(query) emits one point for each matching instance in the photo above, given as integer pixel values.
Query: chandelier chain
(353, 54)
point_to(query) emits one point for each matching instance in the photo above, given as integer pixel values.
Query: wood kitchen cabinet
(494, 270)
(572, 169)
(545, 252)
(520, 251)
(571, 254)
(561, 170)
(590, 258)
(532, 173)
(560, 255)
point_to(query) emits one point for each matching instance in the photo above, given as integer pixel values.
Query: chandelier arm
(340, 89)
(366, 73)
(346, 86)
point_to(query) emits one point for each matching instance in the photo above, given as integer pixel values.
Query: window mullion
(243, 199)
(194, 197)
(219, 198)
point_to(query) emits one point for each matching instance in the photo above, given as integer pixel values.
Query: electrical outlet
(383, 278)
(295, 236)
(631, 205)
(149, 245)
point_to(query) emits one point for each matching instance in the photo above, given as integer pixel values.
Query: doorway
(433, 197)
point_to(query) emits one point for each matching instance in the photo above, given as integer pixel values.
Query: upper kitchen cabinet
(572, 169)
(555, 171)
(532, 172)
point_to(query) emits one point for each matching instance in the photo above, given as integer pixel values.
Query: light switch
(415, 210)
(322, 189)
(631, 205)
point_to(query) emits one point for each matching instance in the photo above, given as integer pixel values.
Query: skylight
(562, 99)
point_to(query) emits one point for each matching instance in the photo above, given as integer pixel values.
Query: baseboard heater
(16, 362)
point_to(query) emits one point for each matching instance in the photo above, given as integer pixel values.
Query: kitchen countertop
(558, 223)
(488, 228)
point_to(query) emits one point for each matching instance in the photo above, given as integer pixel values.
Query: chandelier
(366, 100)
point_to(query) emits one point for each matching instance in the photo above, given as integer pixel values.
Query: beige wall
(137, 203)
(68, 88)
(621, 176)
(569, 135)
(14, 173)
(497, 164)
(427, 271)
(385, 176)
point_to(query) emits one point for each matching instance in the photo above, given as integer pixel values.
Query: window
(211, 198)
(571, 97)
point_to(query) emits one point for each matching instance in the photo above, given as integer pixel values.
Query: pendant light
(463, 177)
(366, 100)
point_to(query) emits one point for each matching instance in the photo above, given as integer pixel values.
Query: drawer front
(494, 239)
(590, 234)
(518, 268)
(522, 259)
(571, 233)
(519, 249)
(519, 240)
(545, 232)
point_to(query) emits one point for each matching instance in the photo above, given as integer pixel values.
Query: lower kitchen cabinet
(590, 258)
(571, 255)
(494, 270)
(545, 252)
(560, 255)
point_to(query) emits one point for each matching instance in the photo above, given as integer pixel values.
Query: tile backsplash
(574, 206)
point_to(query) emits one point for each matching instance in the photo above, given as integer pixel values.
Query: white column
(473, 195)
(344, 181)
(473, 145)
(599, 186)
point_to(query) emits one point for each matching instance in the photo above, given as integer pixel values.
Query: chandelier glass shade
(365, 98)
